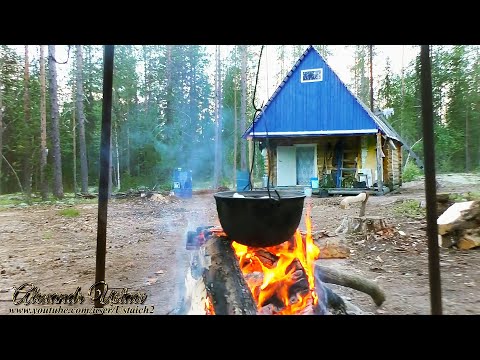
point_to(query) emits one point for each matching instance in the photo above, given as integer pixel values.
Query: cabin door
(286, 165)
(306, 164)
(296, 165)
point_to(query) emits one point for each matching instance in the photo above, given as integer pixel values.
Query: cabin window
(312, 75)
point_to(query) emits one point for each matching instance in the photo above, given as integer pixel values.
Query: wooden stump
(361, 225)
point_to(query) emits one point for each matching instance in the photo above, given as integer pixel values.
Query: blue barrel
(182, 183)
(315, 183)
(242, 180)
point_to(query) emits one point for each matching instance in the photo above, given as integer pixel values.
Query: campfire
(228, 278)
(281, 278)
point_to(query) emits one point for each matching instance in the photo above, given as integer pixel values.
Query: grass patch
(13, 200)
(410, 208)
(47, 235)
(69, 212)
(468, 196)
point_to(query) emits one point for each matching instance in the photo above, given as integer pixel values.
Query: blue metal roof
(317, 108)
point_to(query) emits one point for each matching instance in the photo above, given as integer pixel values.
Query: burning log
(333, 276)
(228, 278)
(224, 280)
(459, 225)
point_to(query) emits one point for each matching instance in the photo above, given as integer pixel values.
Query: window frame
(314, 80)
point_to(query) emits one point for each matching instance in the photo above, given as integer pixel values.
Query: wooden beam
(379, 163)
(250, 158)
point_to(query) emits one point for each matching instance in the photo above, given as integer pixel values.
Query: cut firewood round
(361, 225)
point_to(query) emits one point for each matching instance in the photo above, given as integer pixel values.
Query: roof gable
(325, 107)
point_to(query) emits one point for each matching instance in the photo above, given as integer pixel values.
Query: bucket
(243, 180)
(308, 192)
(315, 182)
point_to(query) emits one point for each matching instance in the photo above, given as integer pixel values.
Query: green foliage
(410, 208)
(468, 196)
(411, 172)
(69, 212)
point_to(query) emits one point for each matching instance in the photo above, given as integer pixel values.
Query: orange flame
(209, 310)
(278, 276)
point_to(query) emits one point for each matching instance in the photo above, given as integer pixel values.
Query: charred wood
(225, 282)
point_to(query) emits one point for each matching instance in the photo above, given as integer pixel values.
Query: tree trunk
(74, 144)
(127, 155)
(217, 164)
(403, 91)
(1, 128)
(117, 155)
(243, 107)
(57, 156)
(371, 77)
(81, 122)
(169, 95)
(467, 145)
(27, 155)
(43, 127)
(235, 132)
(379, 163)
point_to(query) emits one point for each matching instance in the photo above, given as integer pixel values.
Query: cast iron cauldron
(260, 222)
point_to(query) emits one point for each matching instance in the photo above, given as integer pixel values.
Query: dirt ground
(146, 251)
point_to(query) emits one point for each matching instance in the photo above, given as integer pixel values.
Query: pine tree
(57, 157)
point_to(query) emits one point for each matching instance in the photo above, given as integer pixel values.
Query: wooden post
(250, 159)
(379, 163)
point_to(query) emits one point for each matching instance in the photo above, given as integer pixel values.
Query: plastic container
(315, 183)
(243, 180)
(182, 183)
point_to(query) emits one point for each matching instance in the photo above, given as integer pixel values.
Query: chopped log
(469, 240)
(333, 276)
(447, 240)
(224, 280)
(452, 217)
(361, 225)
(459, 226)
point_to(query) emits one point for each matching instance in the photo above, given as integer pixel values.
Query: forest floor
(146, 250)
